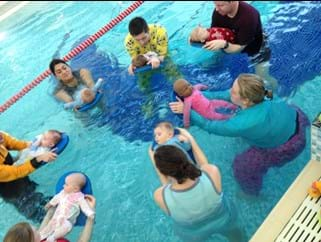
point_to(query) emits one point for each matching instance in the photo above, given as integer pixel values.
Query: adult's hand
(185, 133)
(155, 62)
(215, 44)
(91, 200)
(46, 157)
(76, 108)
(177, 107)
(131, 69)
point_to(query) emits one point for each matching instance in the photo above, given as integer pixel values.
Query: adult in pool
(274, 129)
(193, 196)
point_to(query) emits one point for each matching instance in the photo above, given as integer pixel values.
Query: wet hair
(21, 232)
(137, 26)
(166, 125)
(194, 36)
(252, 87)
(55, 62)
(182, 88)
(172, 161)
(56, 135)
(139, 61)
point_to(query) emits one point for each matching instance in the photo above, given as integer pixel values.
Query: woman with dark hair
(69, 81)
(192, 196)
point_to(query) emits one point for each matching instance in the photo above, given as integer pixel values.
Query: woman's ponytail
(172, 161)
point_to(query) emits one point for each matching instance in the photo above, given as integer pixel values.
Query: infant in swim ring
(43, 143)
(142, 60)
(69, 202)
(84, 96)
(164, 135)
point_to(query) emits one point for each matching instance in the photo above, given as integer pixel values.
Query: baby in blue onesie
(164, 135)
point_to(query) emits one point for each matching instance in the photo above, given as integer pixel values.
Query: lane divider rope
(75, 51)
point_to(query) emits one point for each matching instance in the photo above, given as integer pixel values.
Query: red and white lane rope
(71, 54)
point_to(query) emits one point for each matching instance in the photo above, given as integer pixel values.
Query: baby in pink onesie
(194, 99)
(69, 202)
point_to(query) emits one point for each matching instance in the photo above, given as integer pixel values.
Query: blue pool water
(110, 146)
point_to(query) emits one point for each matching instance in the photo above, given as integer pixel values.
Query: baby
(86, 95)
(69, 202)
(43, 143)
(164, 135)
(142, 60)
(200, 34)
(194, 99)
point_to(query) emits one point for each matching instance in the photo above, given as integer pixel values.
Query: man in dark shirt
(244, 20)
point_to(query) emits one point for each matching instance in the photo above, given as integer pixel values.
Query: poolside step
(294, 217)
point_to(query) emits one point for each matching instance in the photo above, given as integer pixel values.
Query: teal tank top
(195, 203)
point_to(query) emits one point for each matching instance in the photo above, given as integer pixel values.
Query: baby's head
(50, 138)
(74, 182)
(87, 95)
(163, 132)
(199, 34)
(183, 88)
(139, 61)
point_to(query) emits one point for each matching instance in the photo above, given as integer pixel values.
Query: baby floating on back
(165, 134)
(85, 96)
(201, 35)
(43, 143)
(194, 99)
(69, 202)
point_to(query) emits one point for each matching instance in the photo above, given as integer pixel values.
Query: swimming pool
(124, 181)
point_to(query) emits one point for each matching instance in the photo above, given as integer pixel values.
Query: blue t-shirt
(265, 125)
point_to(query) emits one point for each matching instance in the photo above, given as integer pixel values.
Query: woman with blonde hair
(274, 129)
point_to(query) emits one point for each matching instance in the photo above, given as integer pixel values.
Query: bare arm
(197, 151)
(219, 45)
(163, 179)
(158, 197)
(182, 138)
(214, 174)
(86, 233)
(86, 76)
(201, 159)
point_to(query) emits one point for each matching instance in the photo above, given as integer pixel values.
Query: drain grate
(304, 225)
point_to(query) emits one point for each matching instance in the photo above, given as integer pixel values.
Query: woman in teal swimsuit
(69, 82)
(191, 196)
(274, 129)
